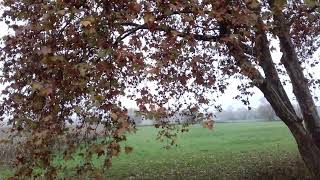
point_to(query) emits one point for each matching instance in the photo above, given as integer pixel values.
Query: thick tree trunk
(308, 139)
(295, 71)
(300, 87)
(263, 55)
(307, 146)
(270, 85)
(309, 151)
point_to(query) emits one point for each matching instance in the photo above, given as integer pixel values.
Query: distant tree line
(263, 112)
(184, 116)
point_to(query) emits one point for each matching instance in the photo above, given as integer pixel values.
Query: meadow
(250, 150)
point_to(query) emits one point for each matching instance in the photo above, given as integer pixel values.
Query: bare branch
(167, 29)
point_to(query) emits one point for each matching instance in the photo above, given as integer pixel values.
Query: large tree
(77, 58)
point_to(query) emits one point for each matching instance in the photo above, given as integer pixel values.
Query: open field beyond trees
(257, 150)
(69, 67)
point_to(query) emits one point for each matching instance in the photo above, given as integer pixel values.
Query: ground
(257, 150)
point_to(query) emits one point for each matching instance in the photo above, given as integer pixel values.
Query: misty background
(232, 109)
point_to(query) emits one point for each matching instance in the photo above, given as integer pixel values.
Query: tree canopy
(77, 58)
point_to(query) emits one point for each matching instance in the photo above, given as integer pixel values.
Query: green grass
(230, 151)
(254, 150)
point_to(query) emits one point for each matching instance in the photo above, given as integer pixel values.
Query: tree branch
(308, 11)
(299, 82)
(167, 29)
(264, 57)
(267, 88)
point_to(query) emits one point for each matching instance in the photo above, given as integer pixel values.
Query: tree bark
(308, 141)
(276, 96)
(309, 151)
(263, 55)
(295, 71)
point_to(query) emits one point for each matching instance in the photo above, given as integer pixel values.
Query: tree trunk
(308, 149)
(307, 146)
(308, 140)
(295, 71)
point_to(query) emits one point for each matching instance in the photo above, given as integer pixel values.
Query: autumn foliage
(68, 63)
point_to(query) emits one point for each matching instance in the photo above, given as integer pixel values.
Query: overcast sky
(226, 100)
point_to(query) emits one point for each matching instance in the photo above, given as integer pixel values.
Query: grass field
(257, 150)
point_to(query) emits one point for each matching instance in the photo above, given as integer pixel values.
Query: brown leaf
(128, 149)
(45, 50)
(148, 17)
(208, 124)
